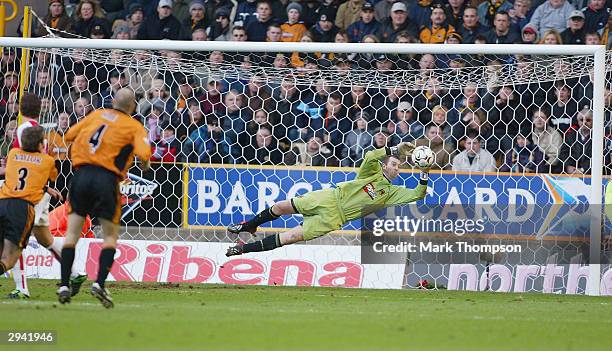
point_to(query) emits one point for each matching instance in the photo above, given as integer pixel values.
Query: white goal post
(597, 52)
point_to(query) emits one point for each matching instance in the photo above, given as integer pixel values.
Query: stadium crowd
(526, 127)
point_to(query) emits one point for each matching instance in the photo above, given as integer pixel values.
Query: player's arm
(142, 149)
(401, 195)
(371, 161)
(75, 130)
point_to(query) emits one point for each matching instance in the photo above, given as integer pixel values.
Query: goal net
(233, 132)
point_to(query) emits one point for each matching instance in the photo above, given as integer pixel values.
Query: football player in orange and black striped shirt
(27, 172)
(103, 147)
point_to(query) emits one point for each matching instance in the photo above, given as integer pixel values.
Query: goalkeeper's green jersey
(371, 189)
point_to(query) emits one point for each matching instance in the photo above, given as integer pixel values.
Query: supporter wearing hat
(57, 19)
(122, 32)
(396, 23)
(325, 30)
(134, 18)
(161, 26)
(367, 24)
(220, 29)
(530, 34)
(575, 32)
(89, 17)
(294, 28)
(348, 13)
(197, 19)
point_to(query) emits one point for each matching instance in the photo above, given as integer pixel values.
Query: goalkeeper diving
(327, 210)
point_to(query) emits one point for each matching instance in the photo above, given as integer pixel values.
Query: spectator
(432, 95)
(57, 147)
(506, 115)
(239, 34)
(201, 35)
(473, 158)
(473, 121)
(577, 149)
(313, 153)
(334, 124)
(548, 139)
(211, 99)
(117, 81)
(397, 22)
(468, 100)
(196, 19)
(162, 26)
(384, 102)
(325, 30)
(43, 86)
(438, 29)
(135, 18)
(592, 38)
(6, 144)
(283, 110)
(57, 19)
(263, 149)
(367, 24)
(524, 157)
(405, 116)
(348, 13)
(530, 34)
(294, 28)
(122, 32)
(356, 141)
(381, 139)
(488, 10)
(180, 10)
(454, 12)
(551, 37)
(155, 117)
(113, 9)
(553, 14)
(501, 32)
(88, 14)
(470, 27)
(220, 29)
(81, 108)
(274, 33)
(564, 109)
(245, 12)
(233, 120)
(596, 16)
(439, 118)
(574, 34)
(196, 145)
(442, 150)
(257, 28)
(520, 13)
(168, 147)
(358, 100)
(11, 109)
(80, 89)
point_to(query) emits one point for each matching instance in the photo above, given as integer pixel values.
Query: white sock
(18, 272)
(78, 267)
(56, 249)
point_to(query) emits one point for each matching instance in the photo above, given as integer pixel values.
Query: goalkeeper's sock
(67, 260)
(262, 217)
(107, 257)
(266, 244)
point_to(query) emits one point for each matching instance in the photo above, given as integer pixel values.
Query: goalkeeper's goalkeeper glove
(403, 149)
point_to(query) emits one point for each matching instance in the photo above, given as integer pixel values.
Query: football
(422, 157)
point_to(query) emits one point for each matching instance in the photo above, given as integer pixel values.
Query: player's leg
(73, 233)
(18, 273)
(268, 243)
(10, 255)
(269, 214)
(107, 258)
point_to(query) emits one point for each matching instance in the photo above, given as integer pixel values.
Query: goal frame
(597, 51)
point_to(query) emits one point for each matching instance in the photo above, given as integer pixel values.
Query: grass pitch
(214, 317)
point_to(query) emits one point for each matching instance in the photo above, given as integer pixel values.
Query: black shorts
(16, 221)
(94, 191)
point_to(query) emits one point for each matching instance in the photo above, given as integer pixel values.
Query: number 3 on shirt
(96, 138)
